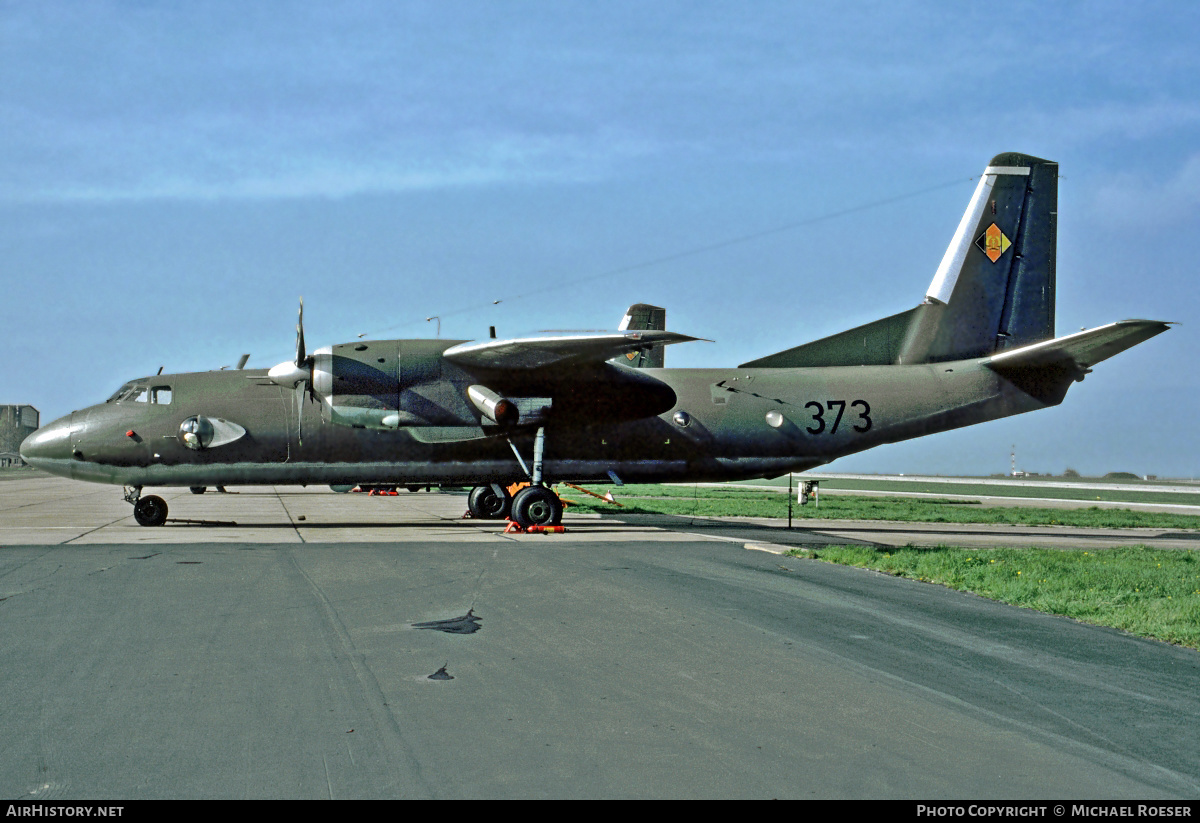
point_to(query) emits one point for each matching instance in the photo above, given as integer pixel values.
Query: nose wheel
(147, 511)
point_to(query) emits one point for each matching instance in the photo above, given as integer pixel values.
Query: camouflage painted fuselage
(735, 424)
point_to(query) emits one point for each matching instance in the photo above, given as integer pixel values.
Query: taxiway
(271, 646)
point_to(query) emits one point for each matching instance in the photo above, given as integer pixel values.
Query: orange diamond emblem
(993, 243)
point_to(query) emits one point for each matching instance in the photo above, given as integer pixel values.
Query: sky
(175, 176)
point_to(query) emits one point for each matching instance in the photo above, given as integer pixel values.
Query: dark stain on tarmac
(467, 624)
(441, 674)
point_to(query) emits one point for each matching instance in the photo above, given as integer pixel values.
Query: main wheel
(150, 511)
(484, 503)
(199, 489)
(537, 506)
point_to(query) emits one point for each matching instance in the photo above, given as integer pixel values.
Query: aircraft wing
(1082, 350)
(532, 353)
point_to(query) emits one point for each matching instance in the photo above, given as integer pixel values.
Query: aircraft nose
(49, 448)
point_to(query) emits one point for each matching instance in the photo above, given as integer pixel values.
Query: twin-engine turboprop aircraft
(579, 408)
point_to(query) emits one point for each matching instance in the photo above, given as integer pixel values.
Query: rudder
(995, 287)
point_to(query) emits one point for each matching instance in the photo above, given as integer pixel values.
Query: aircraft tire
(484, 503)
(150, 511)
(199, 489)
(537, 506)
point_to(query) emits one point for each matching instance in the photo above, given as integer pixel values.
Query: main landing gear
(530, 506)
(534, 505)
(491, 502)
(150, 510)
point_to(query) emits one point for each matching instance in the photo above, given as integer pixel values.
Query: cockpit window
(134, 392)
(119, 392)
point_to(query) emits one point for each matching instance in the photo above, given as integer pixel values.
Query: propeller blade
(300, 352)
(300, 388)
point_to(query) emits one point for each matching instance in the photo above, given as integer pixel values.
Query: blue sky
(174, 176)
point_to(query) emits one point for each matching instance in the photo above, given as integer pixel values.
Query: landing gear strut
(147, 511)
(536, 505)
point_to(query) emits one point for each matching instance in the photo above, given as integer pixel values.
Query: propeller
(296, 373)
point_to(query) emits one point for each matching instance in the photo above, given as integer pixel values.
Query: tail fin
(994, 289)
(995, 286)
(644, 317)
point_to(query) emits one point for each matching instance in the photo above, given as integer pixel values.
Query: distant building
(16, 423)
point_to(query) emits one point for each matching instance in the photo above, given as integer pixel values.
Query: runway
(250, 653)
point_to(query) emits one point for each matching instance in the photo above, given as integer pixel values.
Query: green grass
(1147, 592)
(703, 501)
(1186, 498)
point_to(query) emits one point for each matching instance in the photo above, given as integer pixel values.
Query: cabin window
(160, 395)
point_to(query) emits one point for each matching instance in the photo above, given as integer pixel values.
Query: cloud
(219, 100)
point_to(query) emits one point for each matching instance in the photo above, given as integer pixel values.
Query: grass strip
(702, 501)
(1146, 592)
(1186, 498)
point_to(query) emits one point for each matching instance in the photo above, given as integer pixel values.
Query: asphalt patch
(467, 624)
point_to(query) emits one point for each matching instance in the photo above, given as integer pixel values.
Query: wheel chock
(514, 527)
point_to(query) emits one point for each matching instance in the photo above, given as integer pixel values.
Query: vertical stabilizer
(994, 289)
(644, 317)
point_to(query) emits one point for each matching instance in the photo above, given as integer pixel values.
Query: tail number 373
(836, 409)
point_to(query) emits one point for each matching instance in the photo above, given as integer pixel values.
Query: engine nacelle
(388, 385)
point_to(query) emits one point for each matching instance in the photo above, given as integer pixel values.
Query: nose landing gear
(147, 511)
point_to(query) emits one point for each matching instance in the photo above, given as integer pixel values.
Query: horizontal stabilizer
(1083, 349)
(1046, 370)
(529, 353)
